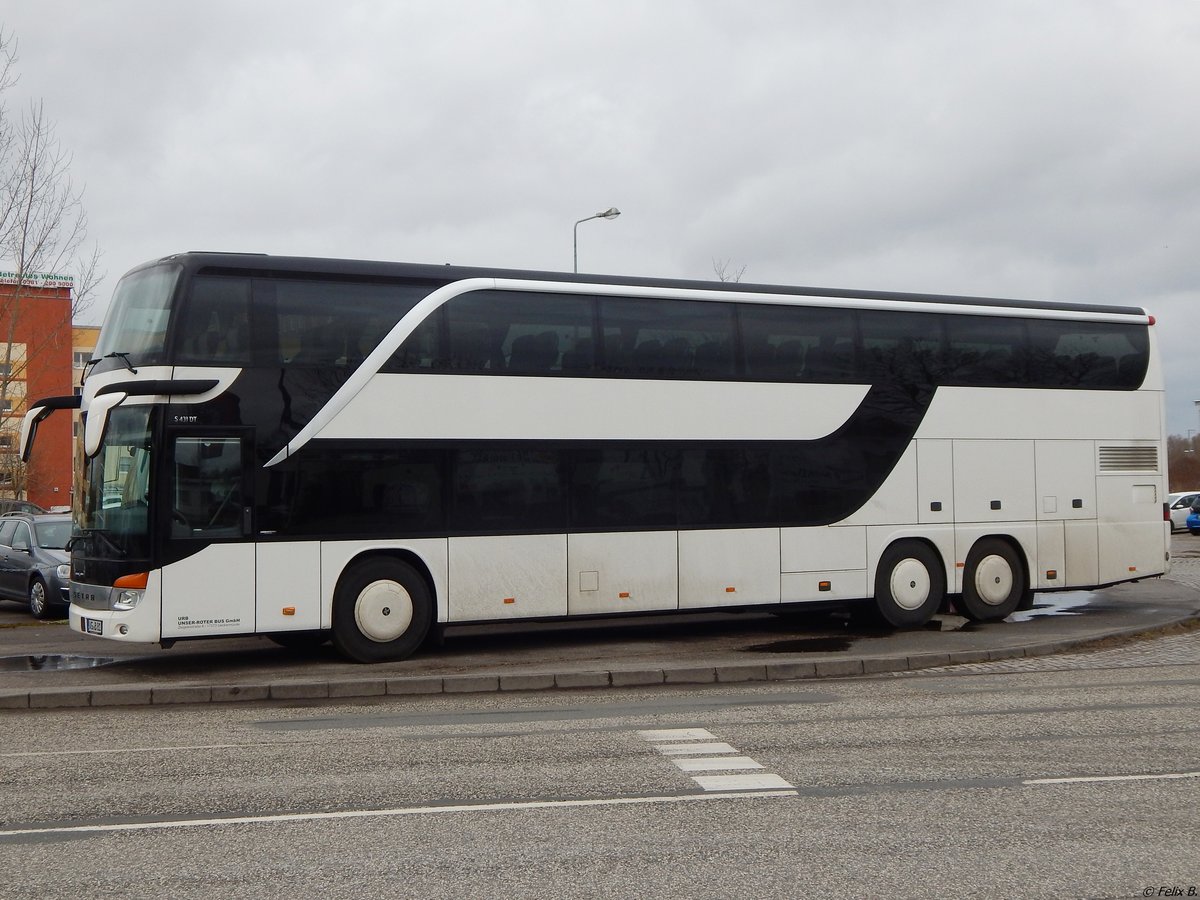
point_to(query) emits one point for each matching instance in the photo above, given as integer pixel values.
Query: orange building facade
(35, 362)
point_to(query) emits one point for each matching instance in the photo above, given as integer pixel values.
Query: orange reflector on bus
(510, 599)
(624, 595)
(1133, 568)
(289, 610)
(137, 581)
(1051, 574)
(961, 565)
(824, 585)
(731, 590)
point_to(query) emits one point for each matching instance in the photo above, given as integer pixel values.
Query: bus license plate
(93, 626)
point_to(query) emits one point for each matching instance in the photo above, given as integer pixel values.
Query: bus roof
(367, 270)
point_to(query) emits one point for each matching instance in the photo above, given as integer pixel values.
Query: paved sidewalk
(36, 659)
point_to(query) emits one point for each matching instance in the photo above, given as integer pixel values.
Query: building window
(80, 358)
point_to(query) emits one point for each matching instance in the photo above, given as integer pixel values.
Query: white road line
(677, 734)
(111, 750)
(686, 749)
(1096, 778)
(740, 782)
(709, 764)
(390, 813)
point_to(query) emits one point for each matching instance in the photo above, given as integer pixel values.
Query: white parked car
(1180, 504)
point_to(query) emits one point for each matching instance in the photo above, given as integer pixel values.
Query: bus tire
(382, 610)
(994, 581)
(910, 584)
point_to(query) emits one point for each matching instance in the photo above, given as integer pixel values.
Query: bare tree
(43, 232)
(724, 273)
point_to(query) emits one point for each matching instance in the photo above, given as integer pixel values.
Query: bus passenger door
(208, 580)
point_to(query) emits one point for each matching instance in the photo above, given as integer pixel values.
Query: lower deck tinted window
(526, 488)
(611, 487)
(508, 489)
(363, 491)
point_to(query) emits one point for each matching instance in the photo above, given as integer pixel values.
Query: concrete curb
(385, 686)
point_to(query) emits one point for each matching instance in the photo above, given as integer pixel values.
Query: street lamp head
(611, 213)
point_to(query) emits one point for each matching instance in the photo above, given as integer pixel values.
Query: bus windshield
(116, 488)
(136, 324)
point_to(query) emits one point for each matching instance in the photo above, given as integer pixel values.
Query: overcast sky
(1042, 150)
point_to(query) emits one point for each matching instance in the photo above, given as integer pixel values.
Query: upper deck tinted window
(501, 332)
(495, 332)
(799, 343)
(333, 323)
(239, 321)
(1087, 354)
(652, 338)
(213, 326)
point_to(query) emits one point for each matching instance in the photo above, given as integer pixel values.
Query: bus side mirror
(38, 410)
(97, 420)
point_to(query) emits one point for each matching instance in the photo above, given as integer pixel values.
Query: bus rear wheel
(382, 611)
(910, 584)
(994, 581)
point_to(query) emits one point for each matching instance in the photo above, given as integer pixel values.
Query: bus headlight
(127, 591)
(125, 600)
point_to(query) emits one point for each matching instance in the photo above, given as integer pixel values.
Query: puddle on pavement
(52, 662)
(1072, 603)
(803, 645)
(1048, 606)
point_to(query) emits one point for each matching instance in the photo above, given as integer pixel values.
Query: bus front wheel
(910, 584)
(994, 581)
(382, 611)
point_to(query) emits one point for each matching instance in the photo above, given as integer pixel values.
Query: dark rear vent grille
(1129, 459)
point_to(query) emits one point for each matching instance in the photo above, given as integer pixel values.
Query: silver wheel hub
(910, 583)
(993, 580)
(383, 611)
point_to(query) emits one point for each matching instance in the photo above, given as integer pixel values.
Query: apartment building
(35, 361)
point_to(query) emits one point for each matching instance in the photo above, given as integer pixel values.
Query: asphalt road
(1068, 775)
(1082, 782)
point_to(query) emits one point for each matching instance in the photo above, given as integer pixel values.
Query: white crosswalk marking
(710, 747)
(677, 734)
(716, 763)
(703, 753)
(740, 782)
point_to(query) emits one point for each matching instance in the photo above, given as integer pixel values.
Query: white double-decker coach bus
(310, 448)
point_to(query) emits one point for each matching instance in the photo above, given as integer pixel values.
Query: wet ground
(36, 655)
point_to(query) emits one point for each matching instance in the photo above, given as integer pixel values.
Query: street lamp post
(611, 213)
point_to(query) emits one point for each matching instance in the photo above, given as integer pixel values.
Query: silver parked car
(34, 564)
(1180, 504)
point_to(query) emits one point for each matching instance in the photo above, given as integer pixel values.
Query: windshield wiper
(100, 533)
(123, 357)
